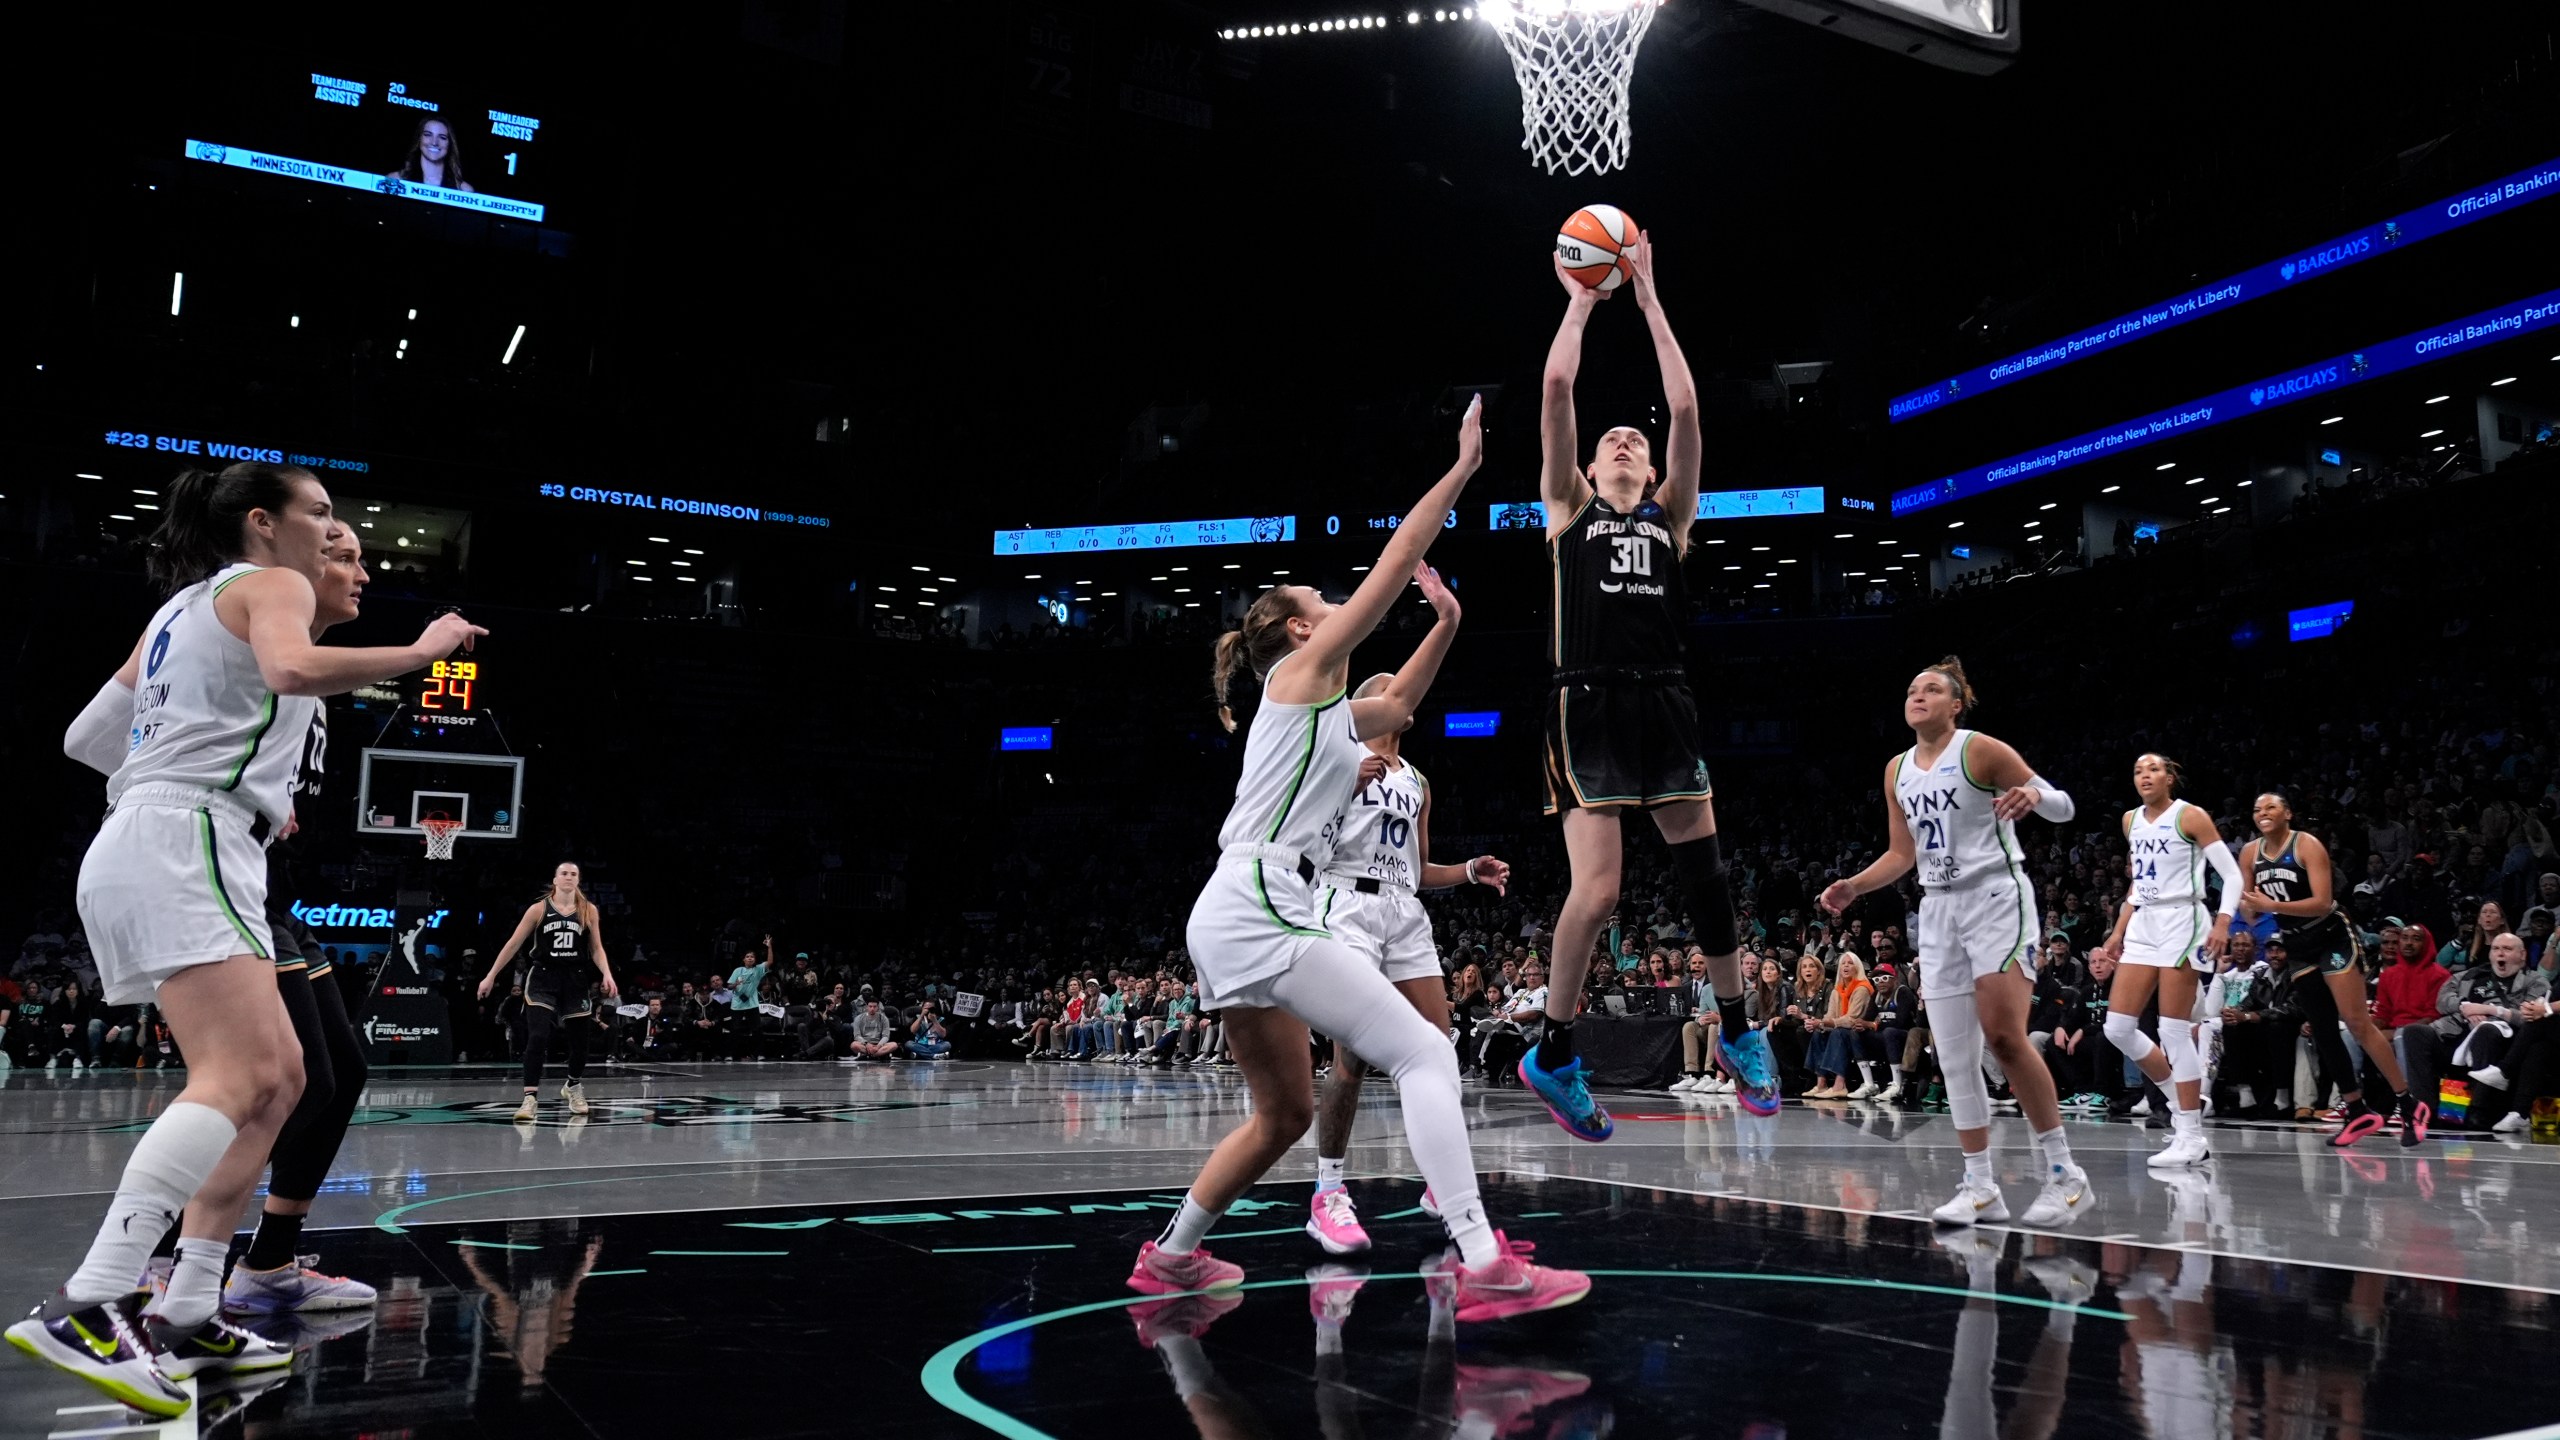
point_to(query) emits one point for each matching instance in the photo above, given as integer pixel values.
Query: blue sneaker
(1755, 1071)
(1567, 1097)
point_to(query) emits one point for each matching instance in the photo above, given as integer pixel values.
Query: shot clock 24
(450, 687)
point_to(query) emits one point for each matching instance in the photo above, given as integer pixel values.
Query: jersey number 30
(1634, 557)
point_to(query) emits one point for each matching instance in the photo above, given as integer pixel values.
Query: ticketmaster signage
(2496, 198)
(2283, 388)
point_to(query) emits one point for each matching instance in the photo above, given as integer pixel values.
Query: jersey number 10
(1394, 831)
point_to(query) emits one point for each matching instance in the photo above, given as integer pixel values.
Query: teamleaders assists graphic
(172, 895)
(1622, 728)
(1952, 803)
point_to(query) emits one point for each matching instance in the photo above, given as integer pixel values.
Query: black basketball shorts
(1614, 743)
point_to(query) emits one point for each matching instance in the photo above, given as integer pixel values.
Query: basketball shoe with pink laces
(1161, 1272)
(1335, 1223)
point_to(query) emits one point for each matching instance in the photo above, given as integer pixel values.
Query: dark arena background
(854, 426)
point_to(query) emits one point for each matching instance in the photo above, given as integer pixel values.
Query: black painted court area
(1733, 1318)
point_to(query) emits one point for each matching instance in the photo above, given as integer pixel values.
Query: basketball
(1593, 245)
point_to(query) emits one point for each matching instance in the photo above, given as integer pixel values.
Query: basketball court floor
(756, 1250)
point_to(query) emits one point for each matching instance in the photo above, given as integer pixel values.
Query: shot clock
(450, 686)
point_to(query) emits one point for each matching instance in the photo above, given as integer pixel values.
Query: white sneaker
(576, 1095)
(530, 1108)
(1975, 1201)
(1717, 1085)
(2511, 1123)
(2184, 1151)
(2064, 1198)
(2491, 1076)
(1890, 1093)
(1867, 1091)
(1685, 1084)
(2141, 1106)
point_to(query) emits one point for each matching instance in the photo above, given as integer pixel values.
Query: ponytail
(1966, 698)
(1261, 644)
(201, 530)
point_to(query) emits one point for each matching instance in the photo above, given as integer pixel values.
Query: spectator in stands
(872, 1036)
(1037, 1018)
(1523, 1020)
(657, 1036)
(2477, 1011)
(1174, 1020)
(1851, 1003)
(2405, 997)
(2260, 1026)
(1698, 1064)
(926, 1037)
(746, 1003)
(2528, 1071)
(2472, 945)
(801, 986)
(697, 1028)
(1799, 1024)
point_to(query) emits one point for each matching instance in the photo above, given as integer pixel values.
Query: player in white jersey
(1380, 862)
(1952, 803)
(1266, 961)
(2162, 939)
(171, 895)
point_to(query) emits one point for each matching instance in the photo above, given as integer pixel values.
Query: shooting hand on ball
(1575, 290)
(1640, 270)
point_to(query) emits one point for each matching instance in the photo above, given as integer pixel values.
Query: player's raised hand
(1471, 434)
(447, 633)
(1838, 896)
(1575, 290)
(1640, 269)
(2017, 802)
(1434, 589)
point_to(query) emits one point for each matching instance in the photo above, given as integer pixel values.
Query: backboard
(397, 788)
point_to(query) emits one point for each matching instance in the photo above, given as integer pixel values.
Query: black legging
(2328, 1045)
(2532, 1063)
(575, 1031)
(333, 1076)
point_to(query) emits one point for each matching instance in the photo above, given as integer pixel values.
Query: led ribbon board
(2506, 322)
(2319, 622)
(1712, 505)
(348, 178)
(1026, 737)
(2496, 198)
(1471, 724)
(1160, 535)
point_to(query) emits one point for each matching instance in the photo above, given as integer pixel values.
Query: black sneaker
(217, 1344)
(102, 1344)
(2414, 1115)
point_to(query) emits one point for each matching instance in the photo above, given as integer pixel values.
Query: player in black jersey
(1622, 729)
(2289, 879)
(564, 962)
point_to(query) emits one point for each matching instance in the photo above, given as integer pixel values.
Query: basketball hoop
(1573, 59)
(441, 833)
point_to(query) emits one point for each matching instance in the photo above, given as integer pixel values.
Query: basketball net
(1573, 59)
(441, 833)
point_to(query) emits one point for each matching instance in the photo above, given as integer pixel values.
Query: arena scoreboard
(450, 687)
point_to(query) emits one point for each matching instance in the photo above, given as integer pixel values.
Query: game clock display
(450, 685)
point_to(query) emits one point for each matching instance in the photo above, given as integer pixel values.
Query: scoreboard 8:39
(449, 685)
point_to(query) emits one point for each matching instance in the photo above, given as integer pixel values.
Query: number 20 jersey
(1618, 596)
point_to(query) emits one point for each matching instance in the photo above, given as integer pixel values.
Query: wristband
(1469, 870)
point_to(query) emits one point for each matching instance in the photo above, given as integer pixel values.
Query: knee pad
(1955, 1032)
(2178, 1038)
(1710, 894)
(2124, 1031)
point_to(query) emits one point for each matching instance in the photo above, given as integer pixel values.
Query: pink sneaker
(1430, 1203)
(1331, 1289)
(1335, 1224)
(1185, 1315)
(1513, 1286)
(1160, 1273)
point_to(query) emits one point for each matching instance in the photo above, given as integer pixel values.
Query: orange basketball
(1593, 245)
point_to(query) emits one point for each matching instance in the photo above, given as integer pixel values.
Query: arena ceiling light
(2030, 525)
(919, 569)
(1084, 582)
(119, 517)
(1955, 524)
(690, 551)
(2049, 504)
(2494, 384)
(2224, 510)
(293, 322)
(1857, 574)
(1159, 579)
(177, 290)
(635, 562)
(1893, 567)
(1910, 554)
(2197, 481)
(2438, 399)
(512, 342)
(2430, 435)
(2209, 499)
(146, 507)
(1030, 577)
(2110, 490)
(2334, 419)
(1786, 562)
(945, 579)
(2165, 465)
(643, 579)
(1110, 594)
(1843, 535)
(1884, 542)
(1757, 549)
(1177, 569)
(687, 564)
(138, 490)
(1715, 542)
(1733, 567)
(931, 590)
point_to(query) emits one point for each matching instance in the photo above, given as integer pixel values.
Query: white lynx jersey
(2168, 869)
(203, 715)
(1375, 836)
(1957, 839)
(1299, 761)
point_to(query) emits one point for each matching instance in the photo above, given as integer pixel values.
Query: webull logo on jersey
(2294, 386)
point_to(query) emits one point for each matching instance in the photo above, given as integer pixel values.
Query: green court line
(719, 1252)
(1543, 1215)
(1402, 1214)
(594, 1273)
(494, 1245)
(1258, 1234)
(992, 1249)
(941, 1374)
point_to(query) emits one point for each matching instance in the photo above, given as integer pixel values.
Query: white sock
(1329, 1173)
(2186, 1122)
(1443, 1324)
(1469, 1227)
(1189, 1226)
(2056, 1148)
(1328, 1338)
(195, 1283)
(175, 1157)
(1978, 1167)
(1190, 1369)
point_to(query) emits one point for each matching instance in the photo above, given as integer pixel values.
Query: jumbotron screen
(381, 128)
